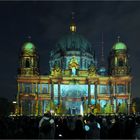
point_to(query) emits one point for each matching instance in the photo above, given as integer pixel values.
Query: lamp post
(14, 103)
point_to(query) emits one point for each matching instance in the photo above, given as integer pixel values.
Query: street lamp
(14, 102)
(14, 107)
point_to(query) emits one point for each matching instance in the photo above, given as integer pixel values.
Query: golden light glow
(73, 28)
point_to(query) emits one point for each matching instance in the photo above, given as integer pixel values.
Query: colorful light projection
(92, 89)
(42, 88)
(74, 90)
(103, 89)
(92, 101)
(55, 90)
(28, 48)
(120, 89)
(119, 46)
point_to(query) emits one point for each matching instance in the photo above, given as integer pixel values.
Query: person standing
(47, 127)
(92, 128)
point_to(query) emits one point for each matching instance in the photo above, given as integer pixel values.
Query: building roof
(28, 48)
(119, 46)
(73, 42)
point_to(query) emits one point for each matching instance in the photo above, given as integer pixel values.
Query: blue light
(87, 128)
(74, 90)
(56, 90)
(73, 71)
(120, 101)
(102, 103)
(56, 102)
(92, 88)
(92, 101)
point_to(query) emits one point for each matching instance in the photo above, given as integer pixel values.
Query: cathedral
(76, 84)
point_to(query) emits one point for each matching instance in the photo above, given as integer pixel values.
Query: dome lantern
(72, 25)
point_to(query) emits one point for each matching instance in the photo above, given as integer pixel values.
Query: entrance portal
(72, 98)
(73, 107)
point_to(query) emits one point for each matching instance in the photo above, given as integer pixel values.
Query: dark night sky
(46, 22)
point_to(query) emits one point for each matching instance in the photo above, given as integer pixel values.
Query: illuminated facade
(76, 84)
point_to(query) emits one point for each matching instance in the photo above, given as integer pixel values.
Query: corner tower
(119, 60)
(28, 60)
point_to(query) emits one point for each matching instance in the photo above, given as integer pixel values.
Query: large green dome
(73, 42)
(119, 46)
(28, 48)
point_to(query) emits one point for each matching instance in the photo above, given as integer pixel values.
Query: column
(18, 88)
(17, 99)
(37, 104)
(80, 62)
(126, 87)
(29, 107)
(111, 93)
(33, 107)
(42, 107)
(129, 98)
(115, 91)
(21, 109)
(31, 87)
(36, 107)
(52, 95)
(40, 88)
(89, 94)
(23, 90)
(116, 105)
(98, 88)
(95, 93)
(49, 90)
(36, 88)
(52, 91)
(39, 107)
(59, 94)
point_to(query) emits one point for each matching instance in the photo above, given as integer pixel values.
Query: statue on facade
(92, 70)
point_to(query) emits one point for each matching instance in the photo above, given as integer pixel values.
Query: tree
(61, 108)
(97, 108)
(108, 108)
(123, 108)
(85, 108)
(134, 107)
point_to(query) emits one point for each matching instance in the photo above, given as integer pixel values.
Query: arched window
(85, 63)
(27, 64)
(44, 90)
(120, 62)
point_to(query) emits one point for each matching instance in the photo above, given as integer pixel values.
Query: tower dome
(119, 46)
(28, 48)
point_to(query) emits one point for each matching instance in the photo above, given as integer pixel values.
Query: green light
(28, 47)
(119, 46)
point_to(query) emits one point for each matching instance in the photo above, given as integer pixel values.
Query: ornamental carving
(73, 63)
(92, 70)
(56, 70)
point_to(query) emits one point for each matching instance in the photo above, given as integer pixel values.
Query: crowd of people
(71, 127)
